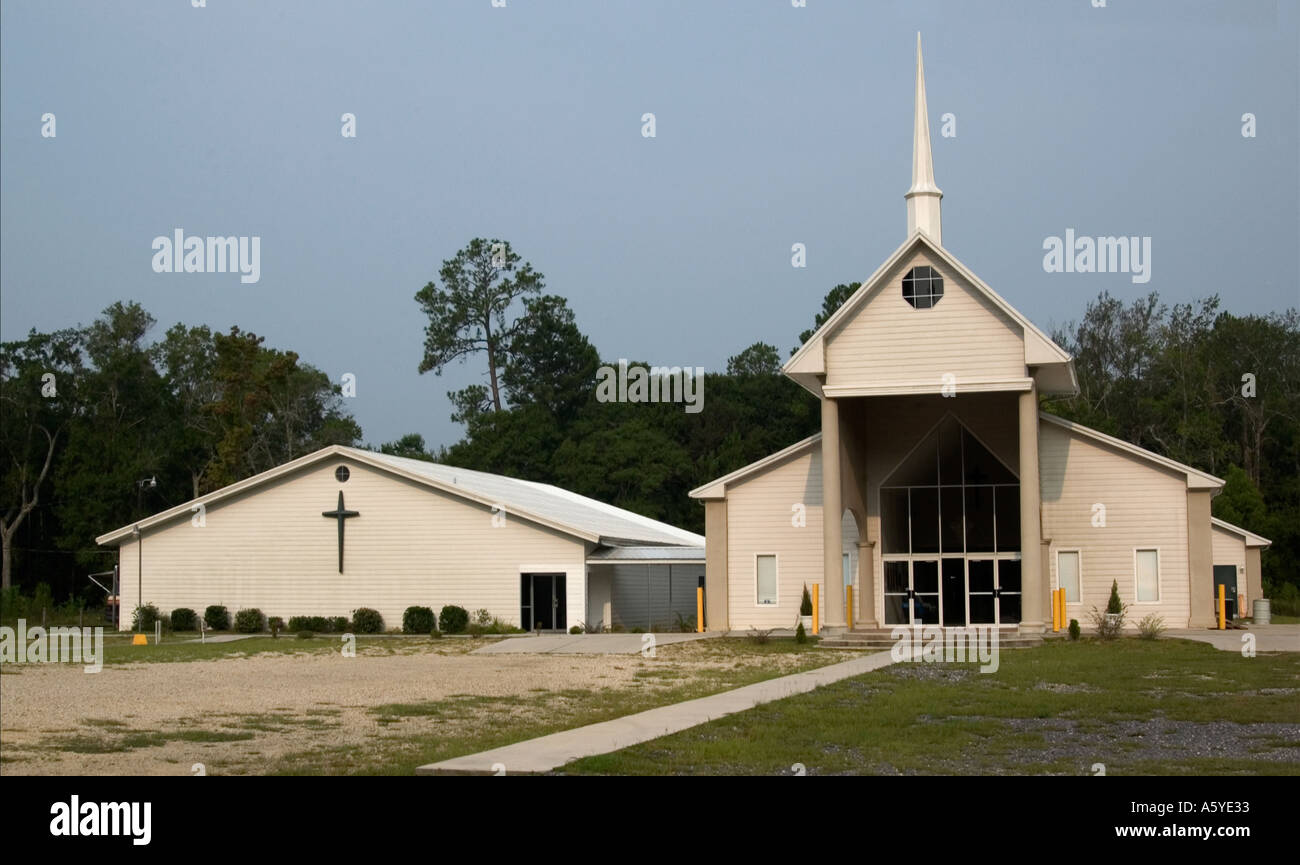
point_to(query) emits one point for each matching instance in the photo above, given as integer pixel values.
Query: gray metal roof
(615, 526)
(645, 555)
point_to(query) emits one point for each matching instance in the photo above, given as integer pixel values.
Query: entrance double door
(541, 602)
(952, 591)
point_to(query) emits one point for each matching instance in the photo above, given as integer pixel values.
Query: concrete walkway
(550, 752)
(1268, 638)
(222, 638)
(586, 644)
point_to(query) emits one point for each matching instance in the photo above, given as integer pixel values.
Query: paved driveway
(1268, 638)
(586, 644)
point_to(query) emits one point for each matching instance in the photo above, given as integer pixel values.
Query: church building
(938, 492)
(343, 528)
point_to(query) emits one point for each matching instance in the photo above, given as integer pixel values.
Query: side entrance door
(542, 602)
(1226, 575)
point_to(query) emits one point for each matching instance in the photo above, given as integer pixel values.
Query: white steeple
(923, 198)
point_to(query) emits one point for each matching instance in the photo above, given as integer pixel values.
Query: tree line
(89, 414)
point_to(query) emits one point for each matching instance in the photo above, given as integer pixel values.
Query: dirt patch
(240, 715)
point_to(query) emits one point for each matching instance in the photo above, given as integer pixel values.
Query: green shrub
(1114, 606)
(275, 624)
(336, 624)
(1074, 629)
(800, 635)
(184, 619)
(436, 634)
(576, 629)
(482, 618)
(217, 618)
(367, 621)
(143, 618)
(1151, 627)
(418, 620)
(453, 619)
(250, 621)
(320, 624)
(685, 625)
(805, 603)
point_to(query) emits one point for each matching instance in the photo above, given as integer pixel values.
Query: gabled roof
(809, 361)
(1252, 539)
(546, 505)
(717, 489)
(1196, 479)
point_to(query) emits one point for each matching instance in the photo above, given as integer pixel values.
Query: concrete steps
(878, 639)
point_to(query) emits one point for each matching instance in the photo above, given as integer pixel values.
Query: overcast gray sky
(775, 125)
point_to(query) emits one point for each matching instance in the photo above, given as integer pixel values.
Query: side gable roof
(1196, 479)
(717, 489)
(809, 361)
(543, 504)
(1252, 539)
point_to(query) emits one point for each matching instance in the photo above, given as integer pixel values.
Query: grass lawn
(1166, 707)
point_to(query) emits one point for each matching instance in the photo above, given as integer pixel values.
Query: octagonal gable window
(922, 287)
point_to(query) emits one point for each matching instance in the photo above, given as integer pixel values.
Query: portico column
(832, 513)
(867, 584)
(1031, 563)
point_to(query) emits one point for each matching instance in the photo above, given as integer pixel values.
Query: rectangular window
(1148, 575)
(767, 580)
(1067, 572)
(848, 570)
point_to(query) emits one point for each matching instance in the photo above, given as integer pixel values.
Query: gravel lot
(53, 718)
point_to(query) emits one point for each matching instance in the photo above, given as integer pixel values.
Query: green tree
(830, 305)
(471, 311)
(551, 363)
(39, 379)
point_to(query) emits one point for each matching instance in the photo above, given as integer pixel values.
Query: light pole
(139, 570)
(140, 485)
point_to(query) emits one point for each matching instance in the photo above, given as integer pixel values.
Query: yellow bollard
(1223, 607)
(699, 609)
(848, 605)
(817, 607)
(139, 640)
(1056, 610)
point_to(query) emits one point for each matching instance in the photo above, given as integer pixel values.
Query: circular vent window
(922, 287)
(342, 473)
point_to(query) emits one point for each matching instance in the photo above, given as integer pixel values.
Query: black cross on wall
(340, 514)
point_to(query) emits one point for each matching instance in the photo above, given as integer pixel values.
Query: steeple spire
(924, 196)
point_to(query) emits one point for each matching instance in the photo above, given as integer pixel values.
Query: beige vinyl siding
(1230, 549)
(272, 549)
(1146, 508)
(888, 342)
(649, 597)
(759, 520)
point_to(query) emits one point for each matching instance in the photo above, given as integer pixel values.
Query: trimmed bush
(1074, 629)
(217, 618)
(184, 619)
(453, 619)
(250, 621)
(800, 635)
(576, 629)
(337, 624)
(805, 603)
(367, 621)
(275, 624)
(144, 618)
(418, 620)
(309, 623)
